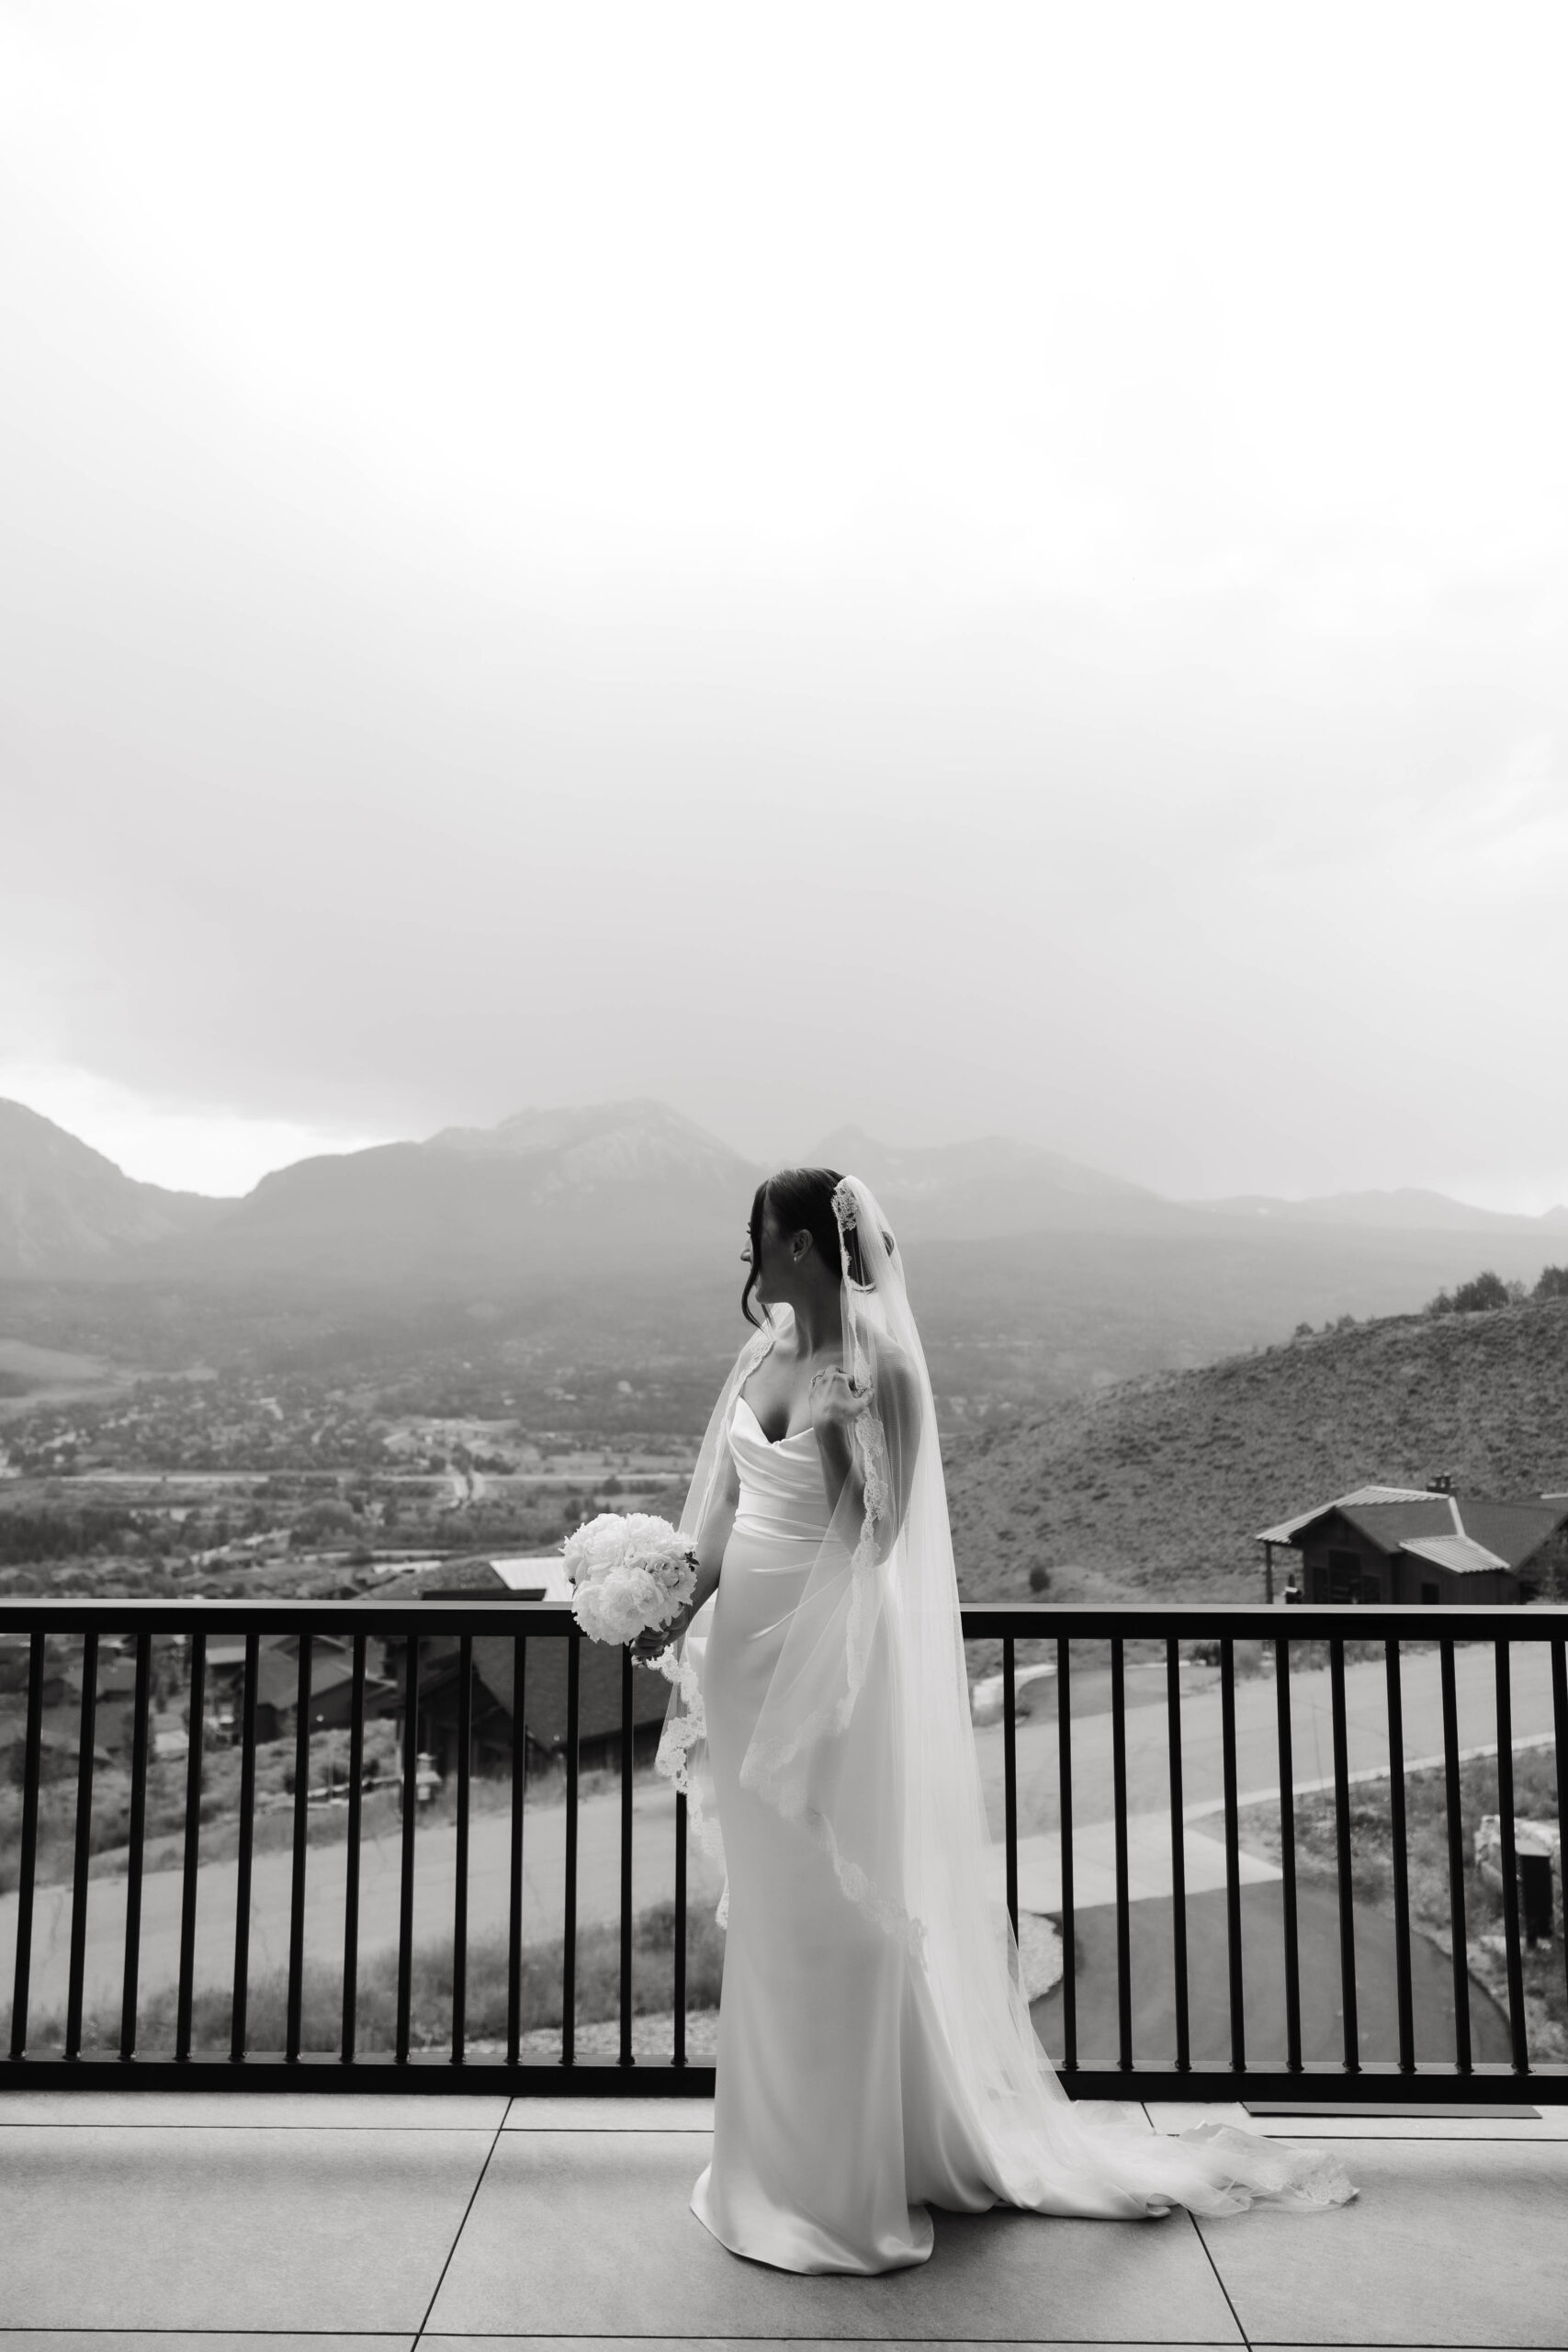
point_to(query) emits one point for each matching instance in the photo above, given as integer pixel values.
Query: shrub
(1474, 1297)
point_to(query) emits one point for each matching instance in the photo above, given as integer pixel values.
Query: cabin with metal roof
(1426, 1546)
(545, 1689)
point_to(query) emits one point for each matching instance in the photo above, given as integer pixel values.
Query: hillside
(62, 1203)
(1156, 1486)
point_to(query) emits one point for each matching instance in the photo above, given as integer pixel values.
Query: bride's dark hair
(802, 1201)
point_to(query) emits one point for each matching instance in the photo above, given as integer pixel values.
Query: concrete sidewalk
(375, 2225)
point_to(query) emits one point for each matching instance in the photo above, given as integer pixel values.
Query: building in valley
(1428, 1546)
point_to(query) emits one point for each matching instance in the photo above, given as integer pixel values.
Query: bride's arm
(712, 1537)
(836, 1407)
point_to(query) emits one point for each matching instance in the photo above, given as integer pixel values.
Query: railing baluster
(1460, 1956)
(197, 1710)
(1065, 1806)
(31, 1757)
(301, 1836)
(569, 1921)
(1560, 1728)
(1233, 1853)
(1288, 1855)
(351, 1856)
(514, 1887)
(1010, 1778)
(1124, 1898)
(460, 1852)
(1517, 2022)
(84, 1843)
(405, 1886)
(1177, 1855)
(1401, 1862)
(679, 1992)
(238, 2017)
(135, 1841)
(1342, 1851)
(626, 1762)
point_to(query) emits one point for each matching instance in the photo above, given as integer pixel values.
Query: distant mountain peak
(62, 1205)
(571, 1126)
(920, 1170)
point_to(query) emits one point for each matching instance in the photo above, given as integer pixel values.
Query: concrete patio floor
(375, 2223)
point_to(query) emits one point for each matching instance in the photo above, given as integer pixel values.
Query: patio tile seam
(225, 2123)
(457, 2233)
(1242, 2336)
(1417, 2138)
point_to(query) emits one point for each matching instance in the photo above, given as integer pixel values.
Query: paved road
(599, 1834)
(1256, 1751)
(1263, 2002)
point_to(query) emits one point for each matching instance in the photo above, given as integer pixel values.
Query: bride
(875, 2054)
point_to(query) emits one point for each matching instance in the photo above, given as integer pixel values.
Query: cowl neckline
(775, 1443)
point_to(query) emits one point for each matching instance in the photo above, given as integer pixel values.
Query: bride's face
(773, 1262)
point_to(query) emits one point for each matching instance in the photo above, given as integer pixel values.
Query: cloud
(564, 559)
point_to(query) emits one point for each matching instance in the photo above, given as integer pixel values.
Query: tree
(1482, 1292)
(1473, 1297)
(1553, 1282)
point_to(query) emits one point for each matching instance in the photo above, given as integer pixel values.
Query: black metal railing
(1057, 1779)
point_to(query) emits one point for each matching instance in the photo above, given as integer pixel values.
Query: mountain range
(614, 1186)
(590, 1237)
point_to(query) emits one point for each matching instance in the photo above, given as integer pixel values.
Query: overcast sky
(962, 569)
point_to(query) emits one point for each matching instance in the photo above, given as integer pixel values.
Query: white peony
(628, 1573)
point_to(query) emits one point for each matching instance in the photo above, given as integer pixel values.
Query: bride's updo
(802, 1201)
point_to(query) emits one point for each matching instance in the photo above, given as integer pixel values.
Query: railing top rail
(1189, 1620)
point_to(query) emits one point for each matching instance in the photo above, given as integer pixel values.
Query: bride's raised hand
(836, 1403)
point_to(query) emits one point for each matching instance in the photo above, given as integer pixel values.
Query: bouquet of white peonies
(630, 1572)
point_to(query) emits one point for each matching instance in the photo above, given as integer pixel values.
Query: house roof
(471, 1575)
(1288, 1528)
(1515, 1530)
(1393, 1525)
(544, 1707)
(545, 1690)
(1462, 1532)
(1456, 1553)
(277, 1670)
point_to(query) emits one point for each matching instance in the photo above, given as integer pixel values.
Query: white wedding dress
(810, 2166)
(875, 2049)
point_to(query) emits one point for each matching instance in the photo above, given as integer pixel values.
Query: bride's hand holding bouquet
(632, 1580)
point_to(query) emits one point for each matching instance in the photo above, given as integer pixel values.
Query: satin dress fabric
(835, 2117)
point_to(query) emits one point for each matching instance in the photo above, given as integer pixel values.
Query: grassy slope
(1156, 1486)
